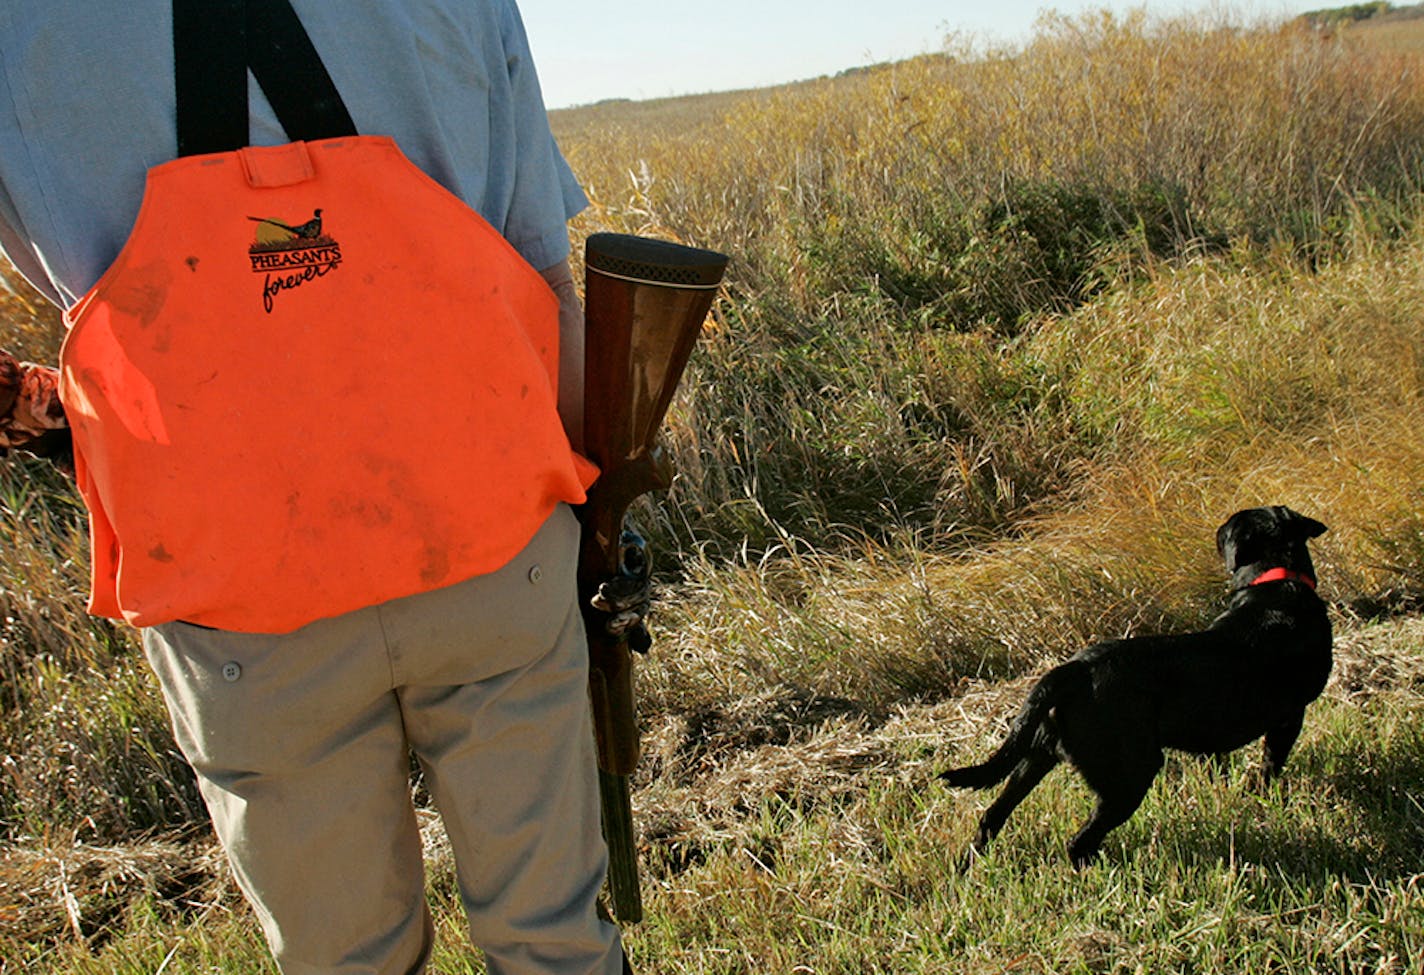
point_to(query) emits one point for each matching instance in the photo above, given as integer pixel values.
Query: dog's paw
(1082, 855)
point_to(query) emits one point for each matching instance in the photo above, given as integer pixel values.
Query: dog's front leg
(1278, 743)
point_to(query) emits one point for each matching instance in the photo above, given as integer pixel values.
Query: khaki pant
(301, 743)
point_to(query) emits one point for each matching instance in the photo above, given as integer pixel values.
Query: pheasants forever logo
(290, 255)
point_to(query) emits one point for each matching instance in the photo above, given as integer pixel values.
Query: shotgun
(644, 304)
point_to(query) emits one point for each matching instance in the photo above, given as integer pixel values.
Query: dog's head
(1257, 540)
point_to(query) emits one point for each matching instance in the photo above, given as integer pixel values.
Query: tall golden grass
(1262, 133)
(891, 228)
(1208, 296)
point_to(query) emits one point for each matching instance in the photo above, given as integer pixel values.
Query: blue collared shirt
(87, 107)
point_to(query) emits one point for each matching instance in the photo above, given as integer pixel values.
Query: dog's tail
(1055, 685)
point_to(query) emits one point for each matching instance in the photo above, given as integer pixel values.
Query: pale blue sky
(587, 50)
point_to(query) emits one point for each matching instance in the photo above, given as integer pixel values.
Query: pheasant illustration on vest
(289, 255)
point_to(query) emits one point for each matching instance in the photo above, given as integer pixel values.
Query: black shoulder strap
(216, 41)
(210, 72)
(291, 74)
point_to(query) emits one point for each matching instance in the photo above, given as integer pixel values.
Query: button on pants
(301, 742)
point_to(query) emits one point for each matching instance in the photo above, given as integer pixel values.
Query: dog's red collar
(1281, 575)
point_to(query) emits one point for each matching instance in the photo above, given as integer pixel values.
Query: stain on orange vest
(312, 381)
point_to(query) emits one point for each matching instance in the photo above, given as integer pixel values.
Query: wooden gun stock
(645, 302)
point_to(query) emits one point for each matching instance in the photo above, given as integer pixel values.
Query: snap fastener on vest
(231, 671)
(535, 574)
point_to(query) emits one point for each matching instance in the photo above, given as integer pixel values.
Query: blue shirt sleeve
(538, 163)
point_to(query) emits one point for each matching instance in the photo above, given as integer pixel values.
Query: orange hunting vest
(312, 381)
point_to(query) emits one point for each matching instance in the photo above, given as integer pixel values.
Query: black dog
(1111, 709)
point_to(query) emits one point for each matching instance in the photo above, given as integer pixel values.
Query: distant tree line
(1333, 16)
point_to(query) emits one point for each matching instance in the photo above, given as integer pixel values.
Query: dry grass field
(1400, 30)
(1007, 334)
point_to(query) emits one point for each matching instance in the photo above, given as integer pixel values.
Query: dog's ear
(1228, 536)
(1302, 526)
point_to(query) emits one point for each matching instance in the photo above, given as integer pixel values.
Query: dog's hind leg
(1116, 804)
(1026, 774)
(1032, 728)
